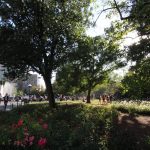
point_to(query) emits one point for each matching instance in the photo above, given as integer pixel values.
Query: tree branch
(117, 7)
(101, 13)
(130, 16)
(119, 11)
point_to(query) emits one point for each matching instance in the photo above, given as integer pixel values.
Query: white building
(11, 87)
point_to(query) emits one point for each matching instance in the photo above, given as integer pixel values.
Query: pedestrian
(111, 98)
(6, 99)
(100, 100)
(1, 98)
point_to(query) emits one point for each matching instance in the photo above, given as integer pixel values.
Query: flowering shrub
(20, 123)
(70, 127)
(24, 131)
(42, 142)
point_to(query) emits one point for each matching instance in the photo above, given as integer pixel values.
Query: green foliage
(37, 90)
(108, 87)
(140, 13)
(33, 29)
(136, 14)
(40, 35)
(132, 106)
(94, 59)
(72, 126)
(136, 83)
(19, 93)
(139, 51)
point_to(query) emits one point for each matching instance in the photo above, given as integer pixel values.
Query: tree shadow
(130, 133)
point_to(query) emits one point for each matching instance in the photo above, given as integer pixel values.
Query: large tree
(39, 35)
(137, 14)
(95, 58)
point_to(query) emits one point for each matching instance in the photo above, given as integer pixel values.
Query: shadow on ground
(130, 133)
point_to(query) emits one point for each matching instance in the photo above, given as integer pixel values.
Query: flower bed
(72, 126)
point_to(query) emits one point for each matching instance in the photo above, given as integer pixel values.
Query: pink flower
(42, 142)
(26, 134)
(20, 123)
(31, 139)
(45, 126)
(18, 143)
(26, 139)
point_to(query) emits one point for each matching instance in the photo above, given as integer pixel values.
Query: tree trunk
(88, 96)
(49, 90)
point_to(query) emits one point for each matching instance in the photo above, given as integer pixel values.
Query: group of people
(104, 99)
(5, 99)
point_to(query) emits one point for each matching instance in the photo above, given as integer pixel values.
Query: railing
(10, 105)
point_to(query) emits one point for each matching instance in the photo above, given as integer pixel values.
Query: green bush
(70, 127)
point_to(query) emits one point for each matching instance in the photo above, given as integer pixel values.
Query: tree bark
(88, 96)
(50, 94)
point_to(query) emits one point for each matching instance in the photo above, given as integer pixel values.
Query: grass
(132, 107)
(74, 125)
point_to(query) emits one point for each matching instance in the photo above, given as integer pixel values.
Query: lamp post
(29, 86)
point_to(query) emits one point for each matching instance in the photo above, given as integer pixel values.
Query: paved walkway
(10, 105)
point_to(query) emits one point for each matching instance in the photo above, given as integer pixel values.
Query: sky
(98, 29)
(104, 22)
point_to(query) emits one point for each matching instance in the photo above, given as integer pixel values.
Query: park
(92, 59)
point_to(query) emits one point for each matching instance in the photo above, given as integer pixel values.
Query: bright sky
(104, 22)
(98, 29)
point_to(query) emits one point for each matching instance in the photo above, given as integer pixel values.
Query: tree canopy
(40, 35)
(95, 58)
(137, 15)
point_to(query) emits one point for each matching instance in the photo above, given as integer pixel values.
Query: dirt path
(143, 120)
(134, 130)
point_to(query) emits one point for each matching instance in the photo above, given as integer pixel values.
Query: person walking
(6, 99)
(1, 98)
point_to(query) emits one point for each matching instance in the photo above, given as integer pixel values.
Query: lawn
(74, 125)
(132, 107)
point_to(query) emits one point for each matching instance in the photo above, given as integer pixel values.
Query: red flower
(19, 113)
(18, 143)
(20, 123)
(45, 126)
(40, 120)
(14, 126)
(42, 142)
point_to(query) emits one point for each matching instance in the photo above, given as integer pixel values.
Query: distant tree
(67, 80)
(95, 59)
(39, 35)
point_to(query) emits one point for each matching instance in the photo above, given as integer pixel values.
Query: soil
(134, 129)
